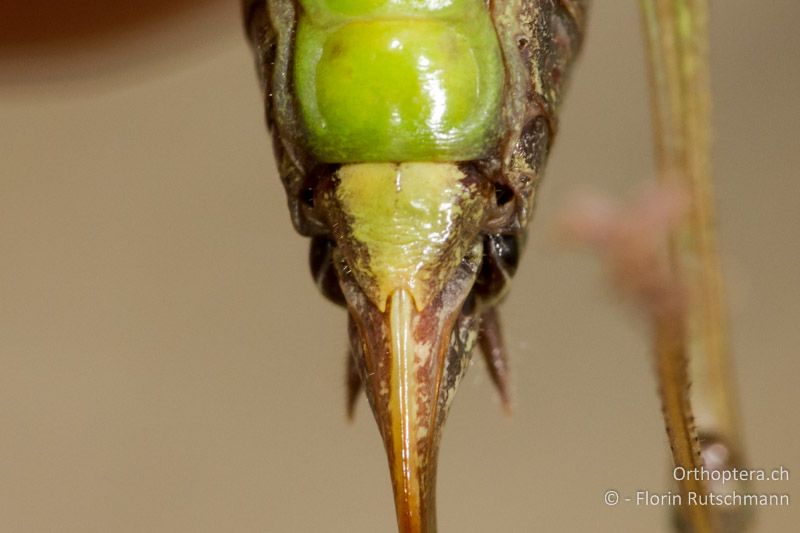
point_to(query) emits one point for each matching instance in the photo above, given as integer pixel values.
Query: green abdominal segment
(398, 80)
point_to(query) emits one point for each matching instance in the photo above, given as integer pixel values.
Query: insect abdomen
(381, 80)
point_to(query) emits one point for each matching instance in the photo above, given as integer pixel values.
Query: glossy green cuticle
(396, 85)
(325, 11)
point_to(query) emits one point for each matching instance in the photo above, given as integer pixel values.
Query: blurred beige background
(166, 364)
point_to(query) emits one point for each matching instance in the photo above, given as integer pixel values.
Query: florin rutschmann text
(735, 494)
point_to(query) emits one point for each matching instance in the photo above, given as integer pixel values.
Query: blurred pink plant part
(632, 240)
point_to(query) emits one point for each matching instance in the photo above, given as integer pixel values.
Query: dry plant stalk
(677, 39)
(662, 253)
(633, 243)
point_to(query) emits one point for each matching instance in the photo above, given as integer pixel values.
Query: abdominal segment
(398, 81)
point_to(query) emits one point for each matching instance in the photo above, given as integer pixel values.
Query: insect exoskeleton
(395, 95)
(398, 81)
(410, 136)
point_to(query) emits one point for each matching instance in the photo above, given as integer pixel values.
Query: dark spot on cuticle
(337, 50)
(503, 194)
(307, 195)
(469, 304)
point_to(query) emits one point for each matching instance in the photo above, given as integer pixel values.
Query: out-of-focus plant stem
(677, 39)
